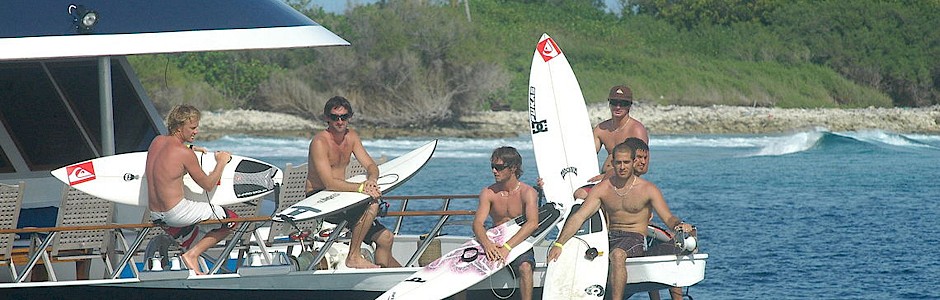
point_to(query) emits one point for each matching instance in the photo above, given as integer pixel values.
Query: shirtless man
(502, 201)
(628, 201)
(328, 157)
(168, 160)
(620, 126)
(641, 166)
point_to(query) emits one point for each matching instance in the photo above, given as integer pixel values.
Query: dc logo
(539, 126)
(595, 290)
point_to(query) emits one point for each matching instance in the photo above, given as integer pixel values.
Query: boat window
(133, 129)
(37, 120)
(5, 165)
(53, 118)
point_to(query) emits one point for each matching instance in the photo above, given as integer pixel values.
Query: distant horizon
(339, 6)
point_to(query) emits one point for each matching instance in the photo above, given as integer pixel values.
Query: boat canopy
(38, 29)
(68, 94)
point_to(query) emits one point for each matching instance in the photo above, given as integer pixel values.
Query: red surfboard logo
(548, 49)
(79, 173)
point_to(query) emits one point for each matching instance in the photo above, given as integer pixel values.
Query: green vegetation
(418, 63)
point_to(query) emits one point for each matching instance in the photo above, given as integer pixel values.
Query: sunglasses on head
(343, 117)
(621, 103)
(499, 167)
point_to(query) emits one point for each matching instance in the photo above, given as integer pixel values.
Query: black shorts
(528, 256)
(351, 215)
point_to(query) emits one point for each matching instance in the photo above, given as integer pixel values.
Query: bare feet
(192, 263)
(358, 262)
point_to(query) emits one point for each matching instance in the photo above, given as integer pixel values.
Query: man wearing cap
(620, 126)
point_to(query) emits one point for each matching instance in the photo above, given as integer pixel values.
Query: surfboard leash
(393, 175)
(511, 292)
(206, 193)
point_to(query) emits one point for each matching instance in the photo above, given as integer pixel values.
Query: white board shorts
(189, 212)
(181, 219)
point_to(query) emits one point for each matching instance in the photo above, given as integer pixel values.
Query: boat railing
(37, 252)
(444, 214)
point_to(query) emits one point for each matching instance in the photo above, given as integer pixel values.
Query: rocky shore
(658, 119)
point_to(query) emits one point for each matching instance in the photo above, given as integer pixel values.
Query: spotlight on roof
(83, 19)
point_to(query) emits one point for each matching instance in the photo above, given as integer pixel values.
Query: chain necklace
(506, 193)
(624, 124)
(624, 195)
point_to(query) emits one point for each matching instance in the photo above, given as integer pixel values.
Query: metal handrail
(444, 214)
(406, 199)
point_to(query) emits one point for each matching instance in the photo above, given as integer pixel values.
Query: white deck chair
(11, 200)
(292, 191)
(81, 209)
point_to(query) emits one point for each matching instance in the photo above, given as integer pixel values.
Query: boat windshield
(50, 114)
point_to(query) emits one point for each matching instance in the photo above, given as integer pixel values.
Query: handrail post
(404, 206)
(431, 235)
(427, 241)
(35, 257)
(223, 257)
(129, 253)
(329, 242)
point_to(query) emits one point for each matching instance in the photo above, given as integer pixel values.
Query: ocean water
(806, 215)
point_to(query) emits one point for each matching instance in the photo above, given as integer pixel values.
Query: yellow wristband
(559, 245)
(506, 245)
(362, 186)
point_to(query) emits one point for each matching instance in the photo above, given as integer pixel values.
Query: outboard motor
(685, 242)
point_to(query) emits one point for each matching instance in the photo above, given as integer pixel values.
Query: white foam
(252, 146)
(793, 143)
(708, 142)
(881, 137)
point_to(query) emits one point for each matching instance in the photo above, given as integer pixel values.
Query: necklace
(506, 193)
(624, 124)
(624, 194)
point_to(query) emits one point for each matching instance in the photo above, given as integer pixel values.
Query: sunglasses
(621, 103)
(343, 117)
(499, 167)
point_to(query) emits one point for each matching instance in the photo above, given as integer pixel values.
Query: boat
(282, 275)
(69, 94)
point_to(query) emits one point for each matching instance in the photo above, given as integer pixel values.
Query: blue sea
(805, 215)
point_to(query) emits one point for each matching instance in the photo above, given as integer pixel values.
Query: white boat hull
(644, 273)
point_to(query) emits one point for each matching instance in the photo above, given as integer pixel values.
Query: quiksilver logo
(548, 49)
(537, 125)
(79, 173)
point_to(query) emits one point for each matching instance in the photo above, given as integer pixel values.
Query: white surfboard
(581, 270)
(120, 179)
(560, 126)
(564, 152)
(391, 174)
(467, 265)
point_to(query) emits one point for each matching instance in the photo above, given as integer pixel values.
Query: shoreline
(658, 119)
